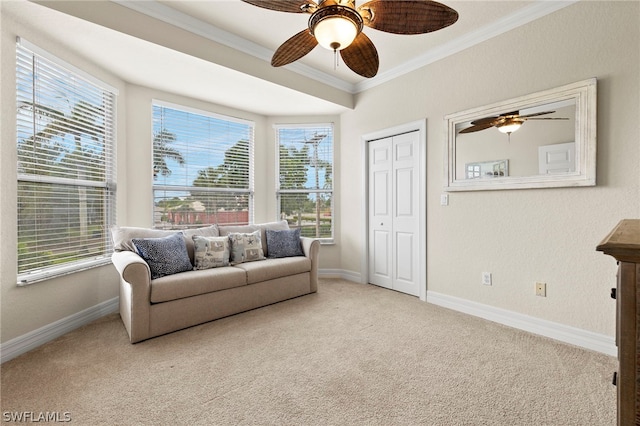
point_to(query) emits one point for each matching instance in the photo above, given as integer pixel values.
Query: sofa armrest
(135, 293)
(131, 267)
(311, 249)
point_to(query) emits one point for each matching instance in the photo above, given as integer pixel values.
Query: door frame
(421, 127)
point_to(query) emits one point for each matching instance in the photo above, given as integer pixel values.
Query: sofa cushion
(122, 236)
(275, 268)
(239, 229)
(165, 256)
(281, 225)
(245, 247)
(178, 286)
(210, 252)
(284, 243)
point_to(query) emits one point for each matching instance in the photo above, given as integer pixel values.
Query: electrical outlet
(541, 289)
(486, 278)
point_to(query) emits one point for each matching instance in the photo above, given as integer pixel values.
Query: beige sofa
(152, 307)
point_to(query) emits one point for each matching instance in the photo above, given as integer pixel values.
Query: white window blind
(305, 178)
(202, 168)
(66, 170)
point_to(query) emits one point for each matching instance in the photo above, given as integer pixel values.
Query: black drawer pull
(615, 379)
(613, 293)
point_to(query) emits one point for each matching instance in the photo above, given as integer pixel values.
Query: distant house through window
(305, 178)
(66, 166)
(202, 168)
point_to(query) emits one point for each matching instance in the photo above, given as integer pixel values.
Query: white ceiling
(258, 32)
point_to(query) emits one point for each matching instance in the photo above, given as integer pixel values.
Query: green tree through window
(305, 184)
(66, 196)
(203, 168)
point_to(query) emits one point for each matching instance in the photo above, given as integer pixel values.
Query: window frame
(250, 191)
(107, 185)
(322, 125)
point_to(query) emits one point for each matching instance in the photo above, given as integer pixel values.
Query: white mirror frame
(584, 93)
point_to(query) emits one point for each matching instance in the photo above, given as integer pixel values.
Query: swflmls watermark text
(36, 416)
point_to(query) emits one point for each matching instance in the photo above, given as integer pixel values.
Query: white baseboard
(339, 273)
(14, 347)
(564, 333)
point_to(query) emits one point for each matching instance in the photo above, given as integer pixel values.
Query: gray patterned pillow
(165, 256)
(246, 247)
(284, 243)
(210, 252)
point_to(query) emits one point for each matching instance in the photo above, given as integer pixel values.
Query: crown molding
(507, 23)
(532, 12)
(196, 26)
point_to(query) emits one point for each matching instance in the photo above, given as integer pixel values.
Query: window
(305, 178)
(202, 168)
(65, 151)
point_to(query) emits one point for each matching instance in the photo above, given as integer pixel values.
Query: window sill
(50, 273)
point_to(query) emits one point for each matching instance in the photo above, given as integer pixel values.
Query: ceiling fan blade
(545, 118)
(407, 16)
(291, 6)
(487, 120)
(361, 56)
(477, 127)
(536, 114)
(294, 48)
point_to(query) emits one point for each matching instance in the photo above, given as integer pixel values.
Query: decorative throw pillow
(165, 256)
(246, 247)
(284, 243)
(210, 252)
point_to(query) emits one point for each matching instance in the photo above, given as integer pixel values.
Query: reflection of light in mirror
(521, 148)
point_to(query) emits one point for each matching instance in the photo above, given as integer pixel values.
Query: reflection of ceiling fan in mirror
(507, 123)
(337, 25)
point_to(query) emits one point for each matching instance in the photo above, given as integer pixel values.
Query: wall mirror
(542, 140)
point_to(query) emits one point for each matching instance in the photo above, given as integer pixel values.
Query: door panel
(404, 257)
(381, 253)
(404, 193)
(381, 193)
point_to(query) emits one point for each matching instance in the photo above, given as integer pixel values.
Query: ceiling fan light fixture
(510, 125)
(509, 128)
(335, 27)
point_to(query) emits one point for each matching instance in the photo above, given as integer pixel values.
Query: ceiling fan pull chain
(335, 59)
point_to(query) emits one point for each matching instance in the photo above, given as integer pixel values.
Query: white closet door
(394, 213)
(380, 212)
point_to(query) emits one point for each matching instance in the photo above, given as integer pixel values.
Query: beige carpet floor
(351, 354)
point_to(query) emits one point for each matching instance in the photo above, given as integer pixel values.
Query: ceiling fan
(507, 123)
(337, 25)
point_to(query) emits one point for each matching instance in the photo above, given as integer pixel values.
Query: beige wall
(520, 236)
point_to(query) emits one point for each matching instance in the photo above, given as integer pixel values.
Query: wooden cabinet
(623, 243)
